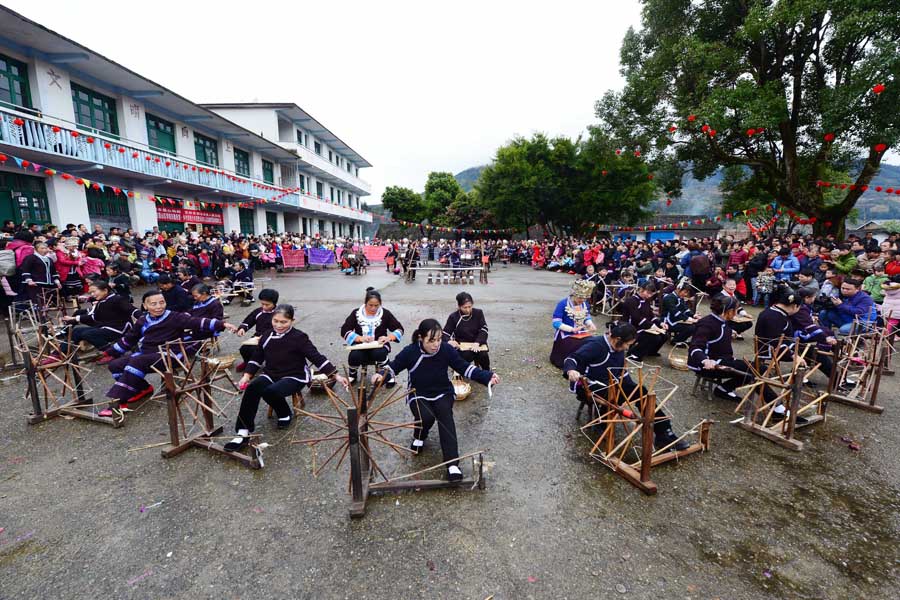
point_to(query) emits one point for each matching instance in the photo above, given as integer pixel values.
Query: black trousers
(273, 392)
(482, 360)
(246, 352)
(647, 344)
(731, 380)
(375, 356)
(95, 336)
(427, 412)
(740, 328)
(682, 332)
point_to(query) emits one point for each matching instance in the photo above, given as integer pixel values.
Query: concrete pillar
(51, 91)
(67, 203)
(259, 220)
(142, 210)
(231, 217)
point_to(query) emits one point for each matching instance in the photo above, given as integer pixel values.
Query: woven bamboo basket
(462, 388)
(678, 357)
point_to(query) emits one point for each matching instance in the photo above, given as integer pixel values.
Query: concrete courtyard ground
(746, 520)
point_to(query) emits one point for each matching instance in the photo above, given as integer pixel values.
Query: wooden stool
(704, 384)
(297, 402)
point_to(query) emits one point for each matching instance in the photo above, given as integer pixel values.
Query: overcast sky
(412, 86)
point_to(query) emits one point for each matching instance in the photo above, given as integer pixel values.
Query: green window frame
(14, 88)
(160, 134)
(95, 111)
(206, 150)
(318, 148)
(272, 221)
(268, 172)
(320, 190)
(241, 162)
(106, 203)
(247, 220)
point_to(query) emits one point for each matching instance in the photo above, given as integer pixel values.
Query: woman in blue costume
(572, 323)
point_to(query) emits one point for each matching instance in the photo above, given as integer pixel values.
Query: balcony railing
(321, 163)
(52, 137)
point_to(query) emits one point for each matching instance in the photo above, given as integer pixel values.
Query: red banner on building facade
(185, 215)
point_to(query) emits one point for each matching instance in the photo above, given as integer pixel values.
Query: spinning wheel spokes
(335, 426)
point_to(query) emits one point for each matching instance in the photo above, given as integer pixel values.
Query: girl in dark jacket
(431, 394)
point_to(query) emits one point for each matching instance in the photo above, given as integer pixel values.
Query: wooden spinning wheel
(55, 377)
(759, 413)
(613, 408)
(199, 391)
(860, 361)
(355, 427)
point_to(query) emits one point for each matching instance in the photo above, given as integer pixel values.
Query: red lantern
(878, 88)
(74, 134)
(55, 129)
(79, 181)
(66, 176)
(604, 172)
(18, 122)
(3, 158)
(705, 128)
(168, 163)
(692, 118)
(185, 167)
(672, 129)
(843, 186)
(90, 140)
(751, 132)
(712, 133)
(618, 152)
(760, 130)
(148, 158)
(637, 153)
(134, 155)
(878, 188)
(131, 194)
(889, 191)
(25, 163)
(829, 137)
(668, 202)
(880, 147)
(650, 177)
(864, 188)
(49, 172)
(95, 186)
(107, 145)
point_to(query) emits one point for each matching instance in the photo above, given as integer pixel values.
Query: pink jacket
(92, 266)
(891, 304)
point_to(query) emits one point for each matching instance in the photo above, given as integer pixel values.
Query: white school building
(85, 140)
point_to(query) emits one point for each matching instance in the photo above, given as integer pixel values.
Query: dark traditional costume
(472, 329)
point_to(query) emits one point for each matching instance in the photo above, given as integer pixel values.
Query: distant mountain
(468, 177)
(705, 198)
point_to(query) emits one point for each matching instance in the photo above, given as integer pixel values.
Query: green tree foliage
(441, 189)
(403, 203)
(564, 185)
(769, 80)
(467, 211)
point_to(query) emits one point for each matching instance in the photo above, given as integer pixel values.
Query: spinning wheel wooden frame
(189, 380)
(55, 377)
(865, 357)
(635, 412)
(759, 414)
(353, 425)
